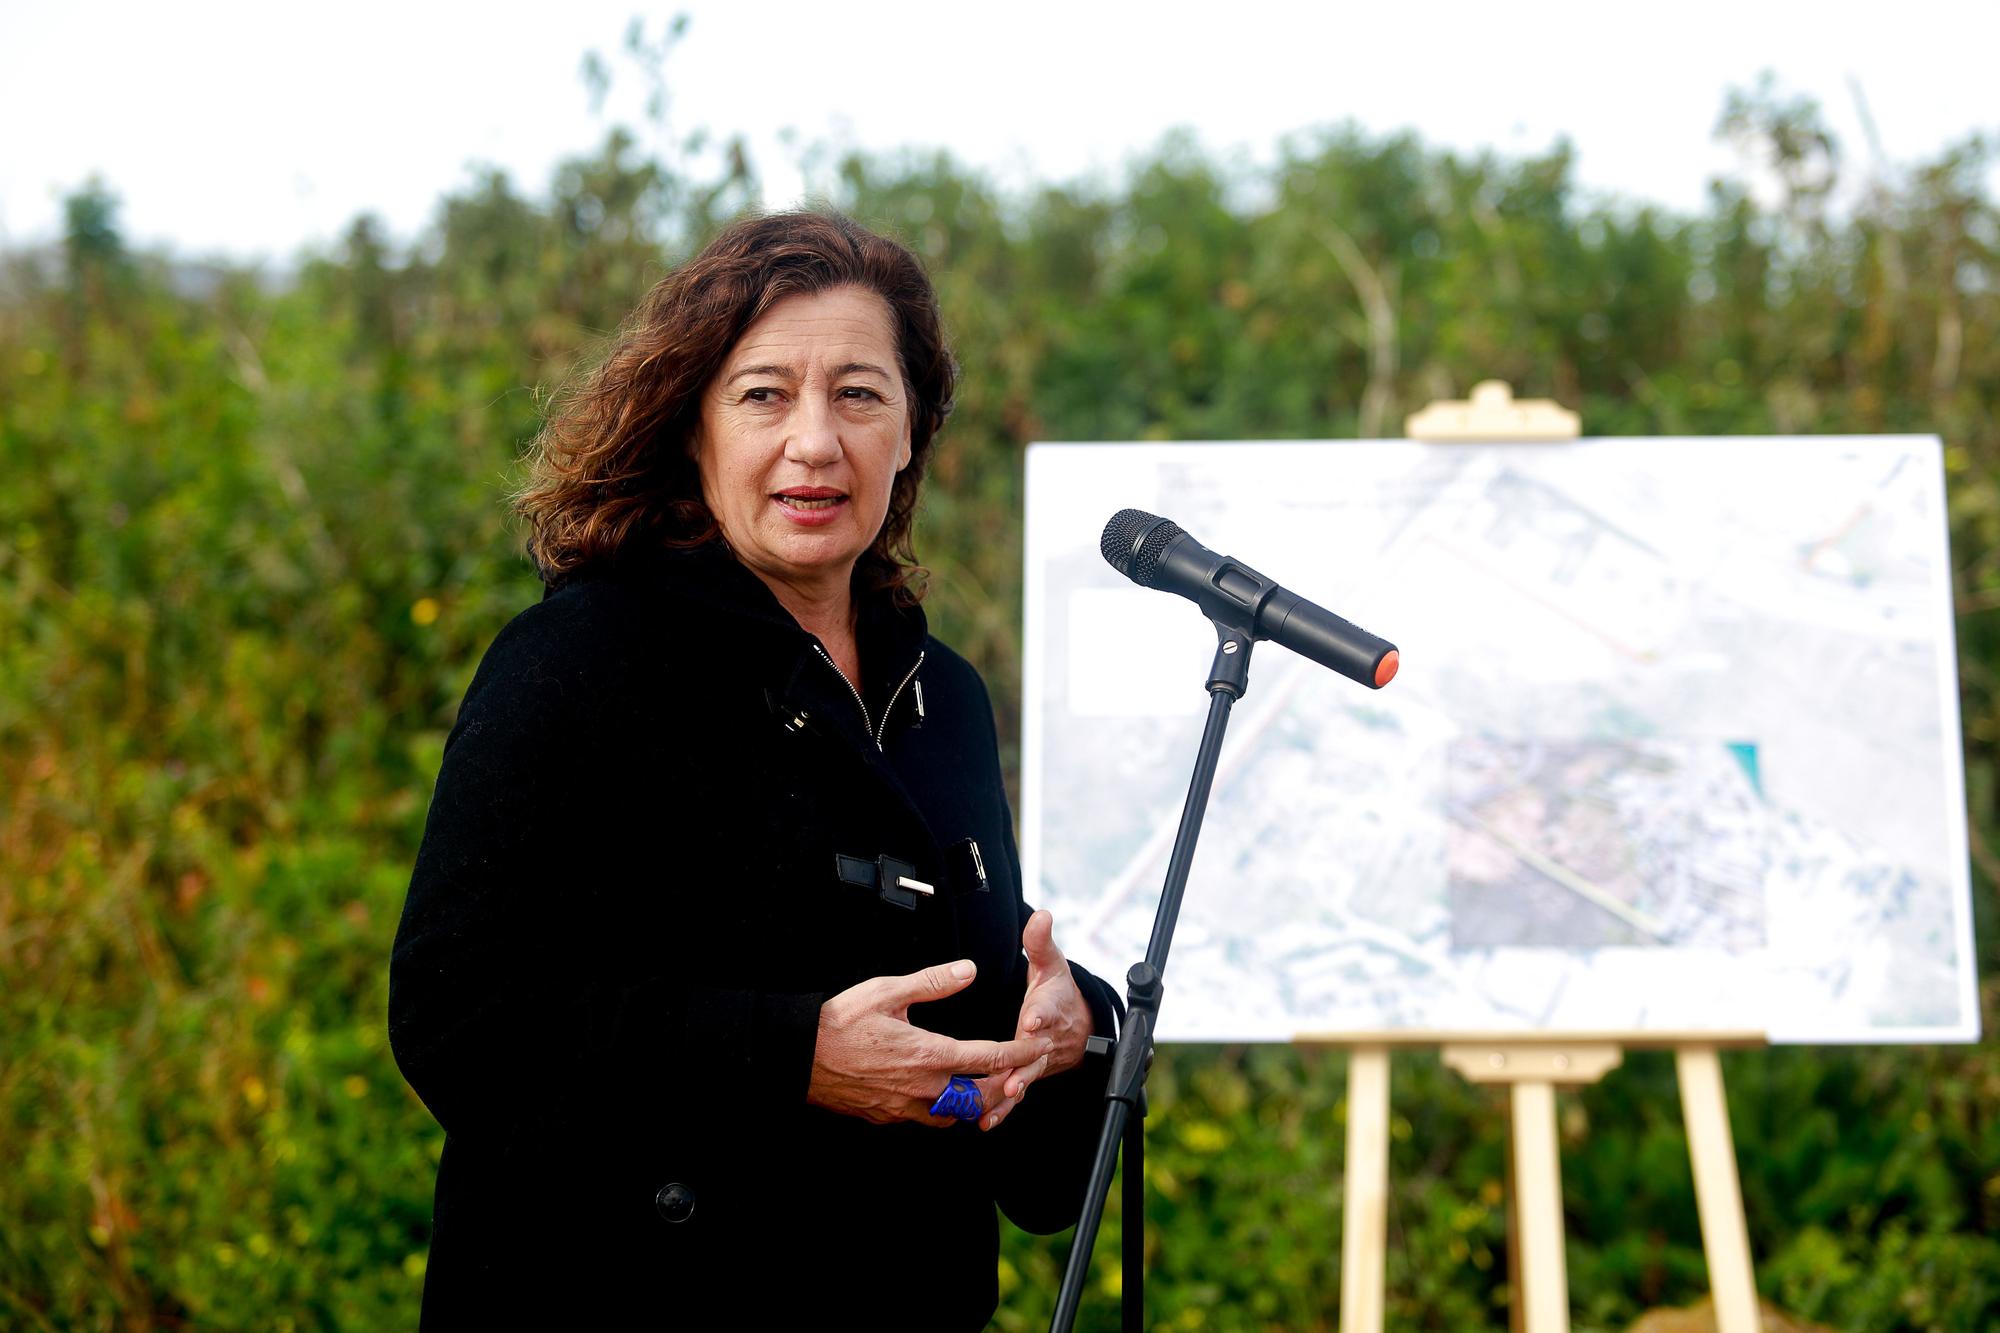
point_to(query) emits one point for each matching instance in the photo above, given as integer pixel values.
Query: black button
(675, 1202)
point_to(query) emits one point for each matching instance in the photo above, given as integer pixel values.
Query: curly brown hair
(612, 469)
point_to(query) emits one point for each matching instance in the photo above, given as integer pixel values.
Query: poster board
(1674, 747)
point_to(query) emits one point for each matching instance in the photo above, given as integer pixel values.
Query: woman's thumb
(1038, 937)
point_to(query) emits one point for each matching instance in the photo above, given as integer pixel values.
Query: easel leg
(1544, 1294)
(1365, 1208)
(1725, 1239)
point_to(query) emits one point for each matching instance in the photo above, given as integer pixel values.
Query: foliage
(253, 541)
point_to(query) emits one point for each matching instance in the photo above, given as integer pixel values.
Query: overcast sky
(252, 129)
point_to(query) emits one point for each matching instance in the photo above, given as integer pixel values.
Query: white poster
(1674, 746)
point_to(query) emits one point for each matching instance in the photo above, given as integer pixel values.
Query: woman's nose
(815, 436)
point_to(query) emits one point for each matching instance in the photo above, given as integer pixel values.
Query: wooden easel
(1532, 1068)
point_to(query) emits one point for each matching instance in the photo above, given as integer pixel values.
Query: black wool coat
(647, 863)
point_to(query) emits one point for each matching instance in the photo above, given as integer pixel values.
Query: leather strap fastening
(895, 880)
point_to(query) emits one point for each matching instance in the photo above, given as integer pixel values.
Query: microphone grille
(1121, 537)
(1133, 542)
(1146, 560)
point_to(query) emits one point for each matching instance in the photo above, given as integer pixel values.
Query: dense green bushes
(253, 540)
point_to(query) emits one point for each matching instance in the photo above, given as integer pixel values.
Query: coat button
(675, 1202)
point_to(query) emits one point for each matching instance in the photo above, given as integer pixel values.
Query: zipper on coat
(874, 733)
(890, 707)
(867, 725)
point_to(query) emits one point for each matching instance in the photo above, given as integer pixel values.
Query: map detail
(1674, 746)
(1590, 845)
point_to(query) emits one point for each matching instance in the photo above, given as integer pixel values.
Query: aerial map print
(1674, 747)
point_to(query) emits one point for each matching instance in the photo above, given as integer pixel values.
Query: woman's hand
(1053, 1010)
(871, 1062)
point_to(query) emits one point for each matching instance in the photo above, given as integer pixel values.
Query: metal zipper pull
(898, 693)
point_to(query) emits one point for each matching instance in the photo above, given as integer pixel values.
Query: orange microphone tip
(1385, 670)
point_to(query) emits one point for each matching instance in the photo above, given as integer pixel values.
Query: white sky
(255, 128)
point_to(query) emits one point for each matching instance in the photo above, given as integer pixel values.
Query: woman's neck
(827, 613)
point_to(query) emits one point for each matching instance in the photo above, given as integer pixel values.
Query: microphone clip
(1230, 672)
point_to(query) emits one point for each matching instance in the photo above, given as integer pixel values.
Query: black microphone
(1154, 553)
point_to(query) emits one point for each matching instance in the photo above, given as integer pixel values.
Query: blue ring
(959, 1100)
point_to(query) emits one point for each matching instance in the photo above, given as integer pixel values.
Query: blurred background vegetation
(253, 541)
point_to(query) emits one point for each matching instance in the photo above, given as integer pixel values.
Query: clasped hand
(871, 1061)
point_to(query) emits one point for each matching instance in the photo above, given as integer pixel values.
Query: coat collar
(716, 583)
(706, 591)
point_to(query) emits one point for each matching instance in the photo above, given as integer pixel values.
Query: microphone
(1155, 553)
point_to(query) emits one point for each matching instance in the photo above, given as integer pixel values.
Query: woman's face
(802, 434)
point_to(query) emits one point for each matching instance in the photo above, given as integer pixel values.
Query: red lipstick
(810, 506)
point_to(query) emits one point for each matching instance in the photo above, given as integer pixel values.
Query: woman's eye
(760, 395)
(861, 393)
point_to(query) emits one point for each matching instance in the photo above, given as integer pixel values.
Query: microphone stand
(1132, 1051)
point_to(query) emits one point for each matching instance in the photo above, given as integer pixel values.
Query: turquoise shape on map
(1746, 755)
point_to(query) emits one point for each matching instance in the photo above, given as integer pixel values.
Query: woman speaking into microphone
(715, 967)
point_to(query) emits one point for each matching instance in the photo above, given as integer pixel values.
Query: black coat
(628, 907)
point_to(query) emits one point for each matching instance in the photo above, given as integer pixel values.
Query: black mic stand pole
(1132, 1052)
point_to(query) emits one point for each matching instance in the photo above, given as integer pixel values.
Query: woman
(719, 889)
